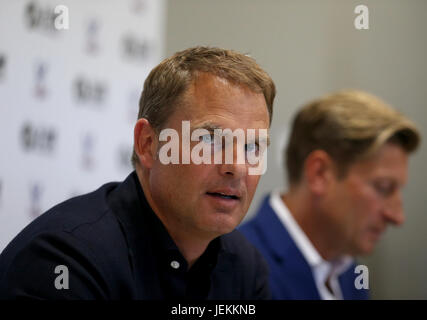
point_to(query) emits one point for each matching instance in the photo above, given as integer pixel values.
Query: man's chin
(216, 222)
(365, 249)
(220, 228)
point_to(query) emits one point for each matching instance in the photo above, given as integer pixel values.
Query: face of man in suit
(207, 200)
(360, 206)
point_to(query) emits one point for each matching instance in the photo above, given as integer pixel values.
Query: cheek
(162, 181)
(251, 184)
(192, 180)
(171, 179)
(175, 187)
(364, 205)
(345, 208)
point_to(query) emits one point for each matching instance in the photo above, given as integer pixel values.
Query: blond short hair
(166, 84)
(349, 125)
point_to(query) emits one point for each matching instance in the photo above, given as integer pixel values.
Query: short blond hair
(167, 82)
(349, 125)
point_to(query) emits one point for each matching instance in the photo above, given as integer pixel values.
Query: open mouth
(223, 195)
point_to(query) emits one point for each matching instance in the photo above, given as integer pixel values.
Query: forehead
(390, 161)
(212, 99)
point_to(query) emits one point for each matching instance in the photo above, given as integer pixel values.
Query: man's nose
(236, 165)
(393, 209)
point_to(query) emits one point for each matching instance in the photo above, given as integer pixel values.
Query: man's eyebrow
(211, 126)
(263, 140)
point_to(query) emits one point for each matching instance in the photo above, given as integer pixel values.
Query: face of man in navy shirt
(207, 200)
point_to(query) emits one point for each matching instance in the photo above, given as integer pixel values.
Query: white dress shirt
(320, 268)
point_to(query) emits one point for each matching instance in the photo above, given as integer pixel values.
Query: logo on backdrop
(92, 33)
(40, 18)
(90, 92)
(2, 65)
(124, 153)
(36, 191)
(40, 89)
(138, 6)
(88, 147)
(133, 105)
(135, 49)
(37, 138)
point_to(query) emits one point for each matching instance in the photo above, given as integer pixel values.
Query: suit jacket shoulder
(290, 274)
(80, 234)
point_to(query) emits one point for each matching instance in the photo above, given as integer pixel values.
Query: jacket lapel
(290, 273)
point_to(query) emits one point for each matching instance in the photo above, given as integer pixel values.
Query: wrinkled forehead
(213, 94)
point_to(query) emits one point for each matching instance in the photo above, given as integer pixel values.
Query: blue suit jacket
(290, 274)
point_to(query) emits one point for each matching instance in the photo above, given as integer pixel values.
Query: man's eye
(385, 189)
(213, 140)
(207, 138)
(252, 147)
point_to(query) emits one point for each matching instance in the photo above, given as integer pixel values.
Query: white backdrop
(69, 98)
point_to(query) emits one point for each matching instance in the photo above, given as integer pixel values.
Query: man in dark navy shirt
(167, 231)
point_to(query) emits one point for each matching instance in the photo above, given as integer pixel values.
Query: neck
(190, 244)
(190, 248)
(305, 210)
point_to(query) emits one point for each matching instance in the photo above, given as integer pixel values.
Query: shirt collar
(167, 248)
(311, 255)
(143, 229)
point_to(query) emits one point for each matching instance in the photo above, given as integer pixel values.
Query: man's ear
(145, 142)
(319, 170)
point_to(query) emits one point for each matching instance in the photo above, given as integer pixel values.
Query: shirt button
(175, 264)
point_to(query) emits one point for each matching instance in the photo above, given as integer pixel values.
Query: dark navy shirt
(114, 247)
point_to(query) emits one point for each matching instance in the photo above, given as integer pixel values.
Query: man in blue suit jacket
(346, 163)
